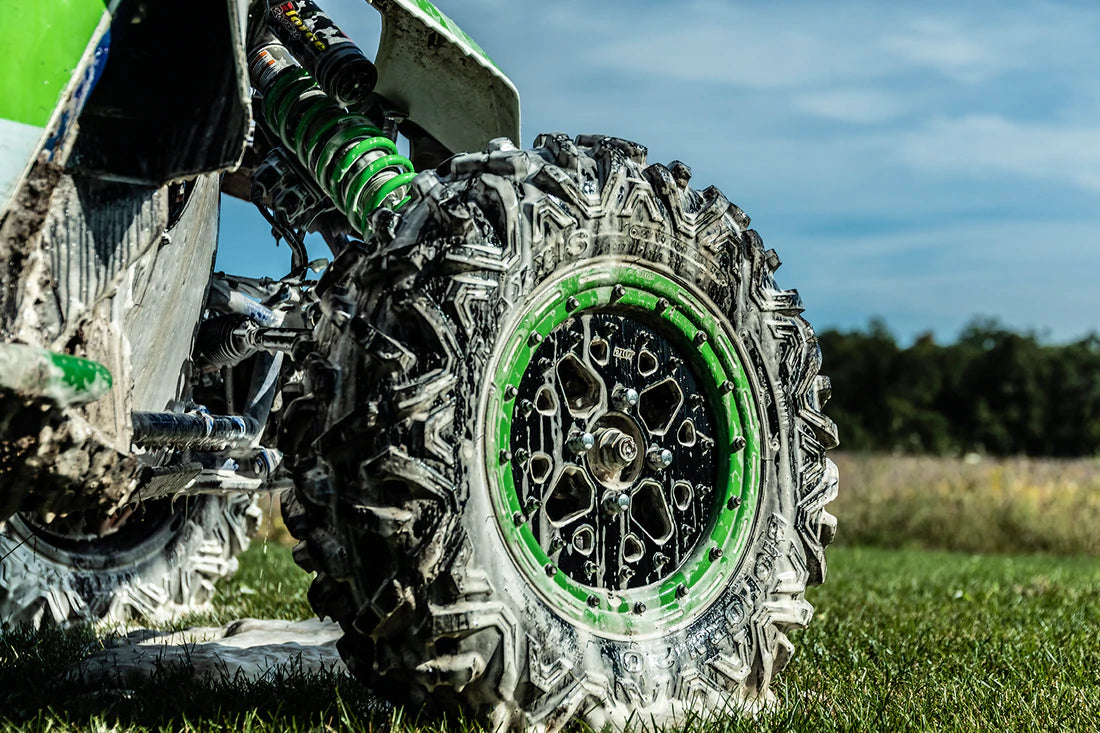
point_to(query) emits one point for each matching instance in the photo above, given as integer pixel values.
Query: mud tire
(156, 571)
(392, 502)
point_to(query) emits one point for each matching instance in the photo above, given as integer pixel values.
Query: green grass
(901, 640)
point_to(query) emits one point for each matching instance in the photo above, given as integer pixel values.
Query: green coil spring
(352, 161)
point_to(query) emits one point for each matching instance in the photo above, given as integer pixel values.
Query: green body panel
(46, 41)
(719, 365)
(67, 380)
(460, 35)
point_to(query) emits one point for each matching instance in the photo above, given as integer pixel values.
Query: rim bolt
(532, 505)
(625, 574)
(593, 602)
(700, 338)
(726, 388)
(535, 339)
(681, 591)
(581, 442)
(715, 554)
(510, 392)
(639, 608)
(590, 569)
(616, 504)
(662, 304)
(624, 397)
(518, 518)
(556, 544)
(734, 502)
(572, 303)
(505, 456)
(738, 443)
(551, 571)
(660, 560)
(674, 363)
(522, 455)
(526, 407)
(659, 458)
(617, 292)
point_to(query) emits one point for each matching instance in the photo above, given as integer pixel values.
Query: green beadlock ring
(719, 365)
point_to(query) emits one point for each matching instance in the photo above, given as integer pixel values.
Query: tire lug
(738, 443)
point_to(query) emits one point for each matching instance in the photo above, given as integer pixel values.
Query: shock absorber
(347, 154)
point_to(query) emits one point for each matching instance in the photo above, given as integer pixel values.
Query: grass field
(902, 640)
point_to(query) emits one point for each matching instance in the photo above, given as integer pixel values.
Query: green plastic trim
(719, 365)
(444, 22)
(47, 38)
(65, 379)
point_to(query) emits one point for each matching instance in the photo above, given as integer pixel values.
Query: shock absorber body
(357, 166)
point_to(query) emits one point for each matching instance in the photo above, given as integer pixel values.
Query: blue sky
(921, 162)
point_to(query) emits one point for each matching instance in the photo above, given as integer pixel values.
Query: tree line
(993, 391)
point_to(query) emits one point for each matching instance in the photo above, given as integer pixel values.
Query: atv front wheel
(571, 454)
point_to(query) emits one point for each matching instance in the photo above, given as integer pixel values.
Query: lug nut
(590, 569)
(522, 455)
(510, 392)
(535, 339)
(624, 397)
(726, 387)
(617, 292)
(581, 442)
(593, 601)
(738, 443)
(526, 407)
(734, 502)
(659, 458)
(550, 570)
(518, 518)
(662, 304)
(700, 338)
(625, 574)
(715, 553)
(572, 303)
(556, 544)
(660, 560)
(639, 608)
(681, 591)
(505, 456)
(615, 504)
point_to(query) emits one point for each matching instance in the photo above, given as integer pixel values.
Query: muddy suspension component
(348, 156)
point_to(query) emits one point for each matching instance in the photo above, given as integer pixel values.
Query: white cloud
(989, 145)
(862, 106)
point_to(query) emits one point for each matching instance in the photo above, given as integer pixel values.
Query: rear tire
(452, 589)
(162, 562)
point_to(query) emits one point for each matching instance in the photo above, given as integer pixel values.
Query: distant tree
(993, 390)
